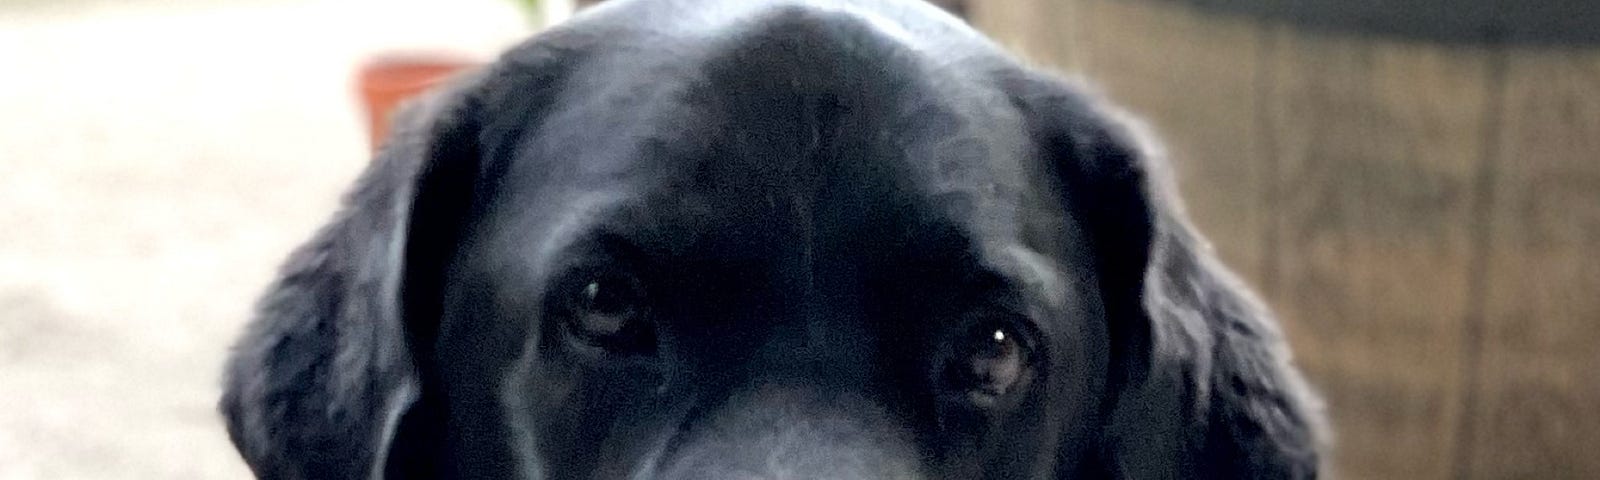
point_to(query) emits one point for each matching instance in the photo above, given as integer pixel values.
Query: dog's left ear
(1201, 383)
(317, 385)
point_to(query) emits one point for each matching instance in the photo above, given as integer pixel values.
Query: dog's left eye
(992, 360)
(609, 311)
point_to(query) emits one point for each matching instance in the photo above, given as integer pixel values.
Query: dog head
(768, 241)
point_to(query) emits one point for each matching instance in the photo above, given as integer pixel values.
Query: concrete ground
(157, 160)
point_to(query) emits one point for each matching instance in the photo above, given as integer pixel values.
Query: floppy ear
(317, 384)
(1202, 385)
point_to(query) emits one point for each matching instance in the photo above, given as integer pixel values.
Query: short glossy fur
(814, 210)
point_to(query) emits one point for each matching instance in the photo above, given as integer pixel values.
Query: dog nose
(787, 432)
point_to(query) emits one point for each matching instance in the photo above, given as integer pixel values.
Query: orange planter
(387, 82)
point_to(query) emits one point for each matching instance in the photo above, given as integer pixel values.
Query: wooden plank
(1538, 408)
(1161, 62)
(1451, 340)
(1038, 30)
(1378, 145)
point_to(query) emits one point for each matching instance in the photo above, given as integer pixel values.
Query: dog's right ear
(317, 385)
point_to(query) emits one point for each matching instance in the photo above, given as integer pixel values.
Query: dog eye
(991, 361)
(609, 311)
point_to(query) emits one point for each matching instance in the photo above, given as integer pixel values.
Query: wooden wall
(1425, 217)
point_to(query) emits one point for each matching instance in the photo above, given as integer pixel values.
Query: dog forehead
(800, 97)
(793, 117)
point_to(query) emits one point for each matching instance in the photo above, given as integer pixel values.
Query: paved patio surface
(157, 160)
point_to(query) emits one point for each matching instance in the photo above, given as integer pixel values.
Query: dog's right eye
(610, 311)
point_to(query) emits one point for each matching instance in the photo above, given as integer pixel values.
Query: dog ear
(1201, 382)
(317, 385)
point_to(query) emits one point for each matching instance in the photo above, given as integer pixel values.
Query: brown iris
(608, 311)
(990, 362)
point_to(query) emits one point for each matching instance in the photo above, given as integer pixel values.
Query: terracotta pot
(387, 82)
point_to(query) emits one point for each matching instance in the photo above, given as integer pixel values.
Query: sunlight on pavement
(157, 160)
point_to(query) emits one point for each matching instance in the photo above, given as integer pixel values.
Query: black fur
(820, 200)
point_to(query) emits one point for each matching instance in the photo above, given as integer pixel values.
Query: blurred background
(1413, 185)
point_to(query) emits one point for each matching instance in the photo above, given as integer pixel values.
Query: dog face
(844, 240)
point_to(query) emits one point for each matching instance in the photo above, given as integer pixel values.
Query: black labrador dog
(764, 239)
